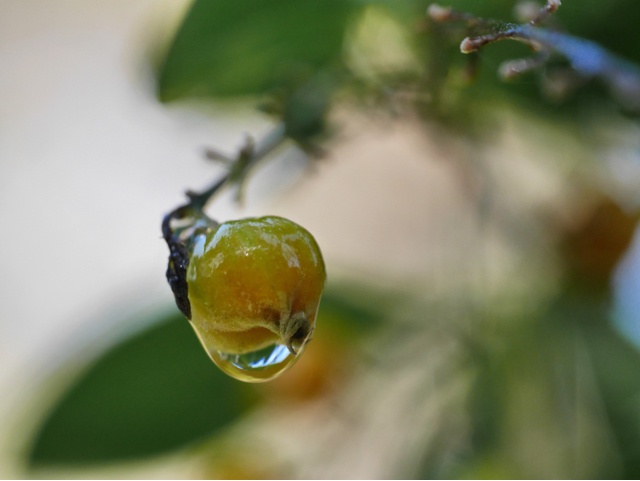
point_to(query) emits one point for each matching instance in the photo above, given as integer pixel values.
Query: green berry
(253, 283)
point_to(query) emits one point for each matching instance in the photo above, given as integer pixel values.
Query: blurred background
(482, 315)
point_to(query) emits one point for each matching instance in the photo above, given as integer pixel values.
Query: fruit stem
(248, 156)
(185, 221)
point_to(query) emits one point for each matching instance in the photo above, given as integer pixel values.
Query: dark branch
(587, 58)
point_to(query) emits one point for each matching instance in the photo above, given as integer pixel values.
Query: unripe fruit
(254, 287)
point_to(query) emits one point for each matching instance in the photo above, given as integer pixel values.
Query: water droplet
(256, 366)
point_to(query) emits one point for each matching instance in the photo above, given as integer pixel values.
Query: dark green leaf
(229, 47)
(152, 393)
(616, 364)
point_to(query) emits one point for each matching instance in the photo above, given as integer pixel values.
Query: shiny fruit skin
(252, 282)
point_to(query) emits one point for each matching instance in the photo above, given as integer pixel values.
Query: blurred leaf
(227, 47)
(151, 393)
(616, 363)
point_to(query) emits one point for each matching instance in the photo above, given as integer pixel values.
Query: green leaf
(230, 47)
(616, 364)
(153, 392)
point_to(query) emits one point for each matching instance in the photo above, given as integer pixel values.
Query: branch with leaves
(587, 59)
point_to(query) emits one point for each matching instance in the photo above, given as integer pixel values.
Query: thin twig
(544, 12)
(248, 156)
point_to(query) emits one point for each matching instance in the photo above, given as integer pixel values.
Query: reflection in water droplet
(256, 366)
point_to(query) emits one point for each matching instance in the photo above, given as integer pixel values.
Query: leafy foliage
(152, 393)
(230, 48)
